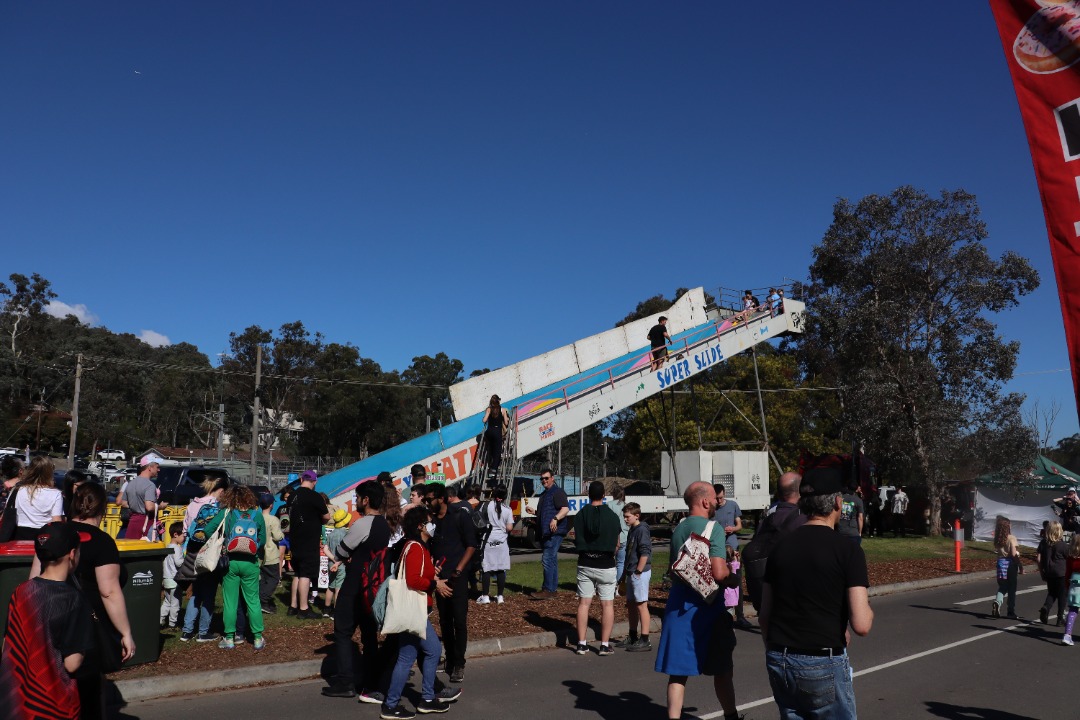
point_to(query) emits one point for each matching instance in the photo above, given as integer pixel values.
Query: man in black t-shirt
(368, 535)
(306, 519)
(815, 586)
(452, 548)
(659, 339)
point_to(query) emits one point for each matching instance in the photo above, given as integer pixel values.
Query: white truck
(744, 475)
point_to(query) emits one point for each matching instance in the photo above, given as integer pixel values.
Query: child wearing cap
(341, 520)
(47, 618)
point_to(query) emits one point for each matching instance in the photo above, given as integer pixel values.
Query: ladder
(483, 472)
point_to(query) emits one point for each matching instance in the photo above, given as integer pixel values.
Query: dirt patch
(519, 615)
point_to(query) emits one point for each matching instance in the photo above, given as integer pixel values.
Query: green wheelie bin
(15, 560)
(142, 565)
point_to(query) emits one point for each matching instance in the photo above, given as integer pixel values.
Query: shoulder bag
(406, 609)
(694, 566)
(210, 555)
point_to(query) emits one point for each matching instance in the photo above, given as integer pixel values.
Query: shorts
(637, 587)
(284, 543)
(305, 564)
(336, 579)
(596, 581)
(659, 353)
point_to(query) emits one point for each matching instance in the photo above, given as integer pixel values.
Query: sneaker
(310, 614)
(339, 691)
(581, 649)
(1043, 616)
(239, 640)
(448, 695)
(187, 637)
(227, 644)
(995, 609)
(499, 600)
(743, 624)
(291, 611)
(267, 610)
(606, 650)
(640, 645)
(372, 697)
(482, 600)
(396, 713)
(207, 637)
(432, 706)
(259, 643)
(457, 675)
(1067, 640)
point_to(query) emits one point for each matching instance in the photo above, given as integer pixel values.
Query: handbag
(406, 609)
(694, 566)
(210, 555)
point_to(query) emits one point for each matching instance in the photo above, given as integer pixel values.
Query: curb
(152, 688)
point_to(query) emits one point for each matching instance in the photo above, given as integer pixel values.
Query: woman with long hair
(72, 480)
(1055, 572)
(420, 576)
(392, 511)
(496, 547)
(100, 578)
(1008, 565)
(496, 422)
(245, 535)
(37, 501)
(200, 607)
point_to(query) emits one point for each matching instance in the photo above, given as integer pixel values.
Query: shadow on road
(960, 712)
(625, 705)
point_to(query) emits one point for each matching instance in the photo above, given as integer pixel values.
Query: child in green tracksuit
(245, 535)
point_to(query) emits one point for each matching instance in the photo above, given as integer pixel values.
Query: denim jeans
(409, 647)
(811, 688)
(201, 603)
(550, 561)
(620, 562)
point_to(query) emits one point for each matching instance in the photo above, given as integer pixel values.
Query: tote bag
(694, 566)
(406, 609)
(209, 556)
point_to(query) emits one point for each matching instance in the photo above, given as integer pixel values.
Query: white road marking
(976, 601)
(883, 666)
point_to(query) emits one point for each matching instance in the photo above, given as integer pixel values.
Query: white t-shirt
(38, 510)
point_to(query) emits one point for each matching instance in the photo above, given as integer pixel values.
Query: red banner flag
(1042, 48)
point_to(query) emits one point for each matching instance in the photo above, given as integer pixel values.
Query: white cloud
(61, 310)
(154, 339)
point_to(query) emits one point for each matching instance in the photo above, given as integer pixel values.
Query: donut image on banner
(1050, 40)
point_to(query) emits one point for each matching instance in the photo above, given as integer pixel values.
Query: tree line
(900, 357)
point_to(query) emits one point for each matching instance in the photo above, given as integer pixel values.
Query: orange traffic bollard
(958, 541)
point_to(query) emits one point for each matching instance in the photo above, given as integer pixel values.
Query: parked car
(104, 468)
(260, 490)
(10, 451)
(180, 484)
(110, 454)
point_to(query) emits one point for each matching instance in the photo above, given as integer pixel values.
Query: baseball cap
(1072, 489)
(309, 476)
(341, 518)
(149, 460)
(55, 540)
(385, 478)
(822, 481)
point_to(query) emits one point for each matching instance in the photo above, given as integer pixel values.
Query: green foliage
(900, 291)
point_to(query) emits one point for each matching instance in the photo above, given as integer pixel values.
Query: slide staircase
(555, 395)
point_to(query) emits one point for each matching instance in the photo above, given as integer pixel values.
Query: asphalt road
(932, 653)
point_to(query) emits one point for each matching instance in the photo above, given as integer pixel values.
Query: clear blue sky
(486, 179)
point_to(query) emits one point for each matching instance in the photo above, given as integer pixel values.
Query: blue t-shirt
(725, 517)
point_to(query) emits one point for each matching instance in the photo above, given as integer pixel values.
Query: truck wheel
(532, 538)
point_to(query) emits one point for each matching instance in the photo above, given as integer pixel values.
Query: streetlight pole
(255, 414)
(75, 413)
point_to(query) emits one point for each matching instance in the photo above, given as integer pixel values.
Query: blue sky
(490, 180)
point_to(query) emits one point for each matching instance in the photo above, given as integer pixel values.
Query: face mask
(430, 528)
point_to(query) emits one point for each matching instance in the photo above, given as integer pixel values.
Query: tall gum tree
(899, 302)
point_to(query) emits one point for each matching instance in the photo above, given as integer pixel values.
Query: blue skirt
(697, 638)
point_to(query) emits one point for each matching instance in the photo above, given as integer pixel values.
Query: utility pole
(255, 414)
(581, 461)
(40, 409)
(605, 446)
(75, 413)
(761, 404)
(427, 424)
(220, 432)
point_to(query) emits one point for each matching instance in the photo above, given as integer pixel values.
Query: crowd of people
(435, 541)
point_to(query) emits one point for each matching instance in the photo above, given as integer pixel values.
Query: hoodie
(596, 534)
(193, 509)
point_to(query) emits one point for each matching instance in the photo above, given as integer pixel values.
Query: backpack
(479, 516)
(376, 572)
(244, 537)
(197, 528)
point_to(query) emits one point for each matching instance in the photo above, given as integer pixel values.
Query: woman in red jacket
(421, 576)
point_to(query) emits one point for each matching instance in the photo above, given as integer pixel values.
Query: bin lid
(125, 545)
(17, 548)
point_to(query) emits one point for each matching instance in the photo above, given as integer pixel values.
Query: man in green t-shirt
(596, 532)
